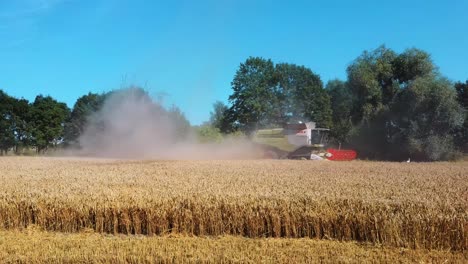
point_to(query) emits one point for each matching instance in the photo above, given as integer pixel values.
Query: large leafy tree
(15, 126)
(376, 77)
(462, 95)
(48, 118)
(300, 96)
(84, 107)
(253, 97)
(181, 126)
(217, 116)
(22, 124)
(411, 64)
(342, 105)
(378, 81)
(423, 119)
(7, 135)
(268, 95)
(370, 78)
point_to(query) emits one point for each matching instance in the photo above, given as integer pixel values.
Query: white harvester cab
(309, 140)
(306, 134)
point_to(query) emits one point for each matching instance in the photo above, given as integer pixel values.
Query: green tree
(462, 135)
(48, 118)
(424, 117)
(462, 93)
(15, 127)
(376, 77)
(217, 116)
(370, 77)
(22, 124)
(266, 95)
(342, 104)
(84, 107)
(7, 135)
(179, 122)
(411, 64)
(230, 123)
(252, 95)
(300, 95)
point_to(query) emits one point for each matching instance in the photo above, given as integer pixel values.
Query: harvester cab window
(319, 136)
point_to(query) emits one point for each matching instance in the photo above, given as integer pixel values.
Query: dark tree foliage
(84, 107)
(267, 95)
(462, 93)
(22, 124)
(15, 127)
(462, 96)
(342, 105)
(376, 77)
(412, 63)
(253, 94)
(402, 107)
(370, 78)
(423, 120)
(180, 123)
(230, 122)
(48, 120)
(300, 95)
(7, 122)
(217, 116)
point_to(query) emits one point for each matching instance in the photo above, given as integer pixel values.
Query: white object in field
(315, 157)
(409, 160)
(302, 137)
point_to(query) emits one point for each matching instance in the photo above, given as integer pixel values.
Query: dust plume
(132, 125)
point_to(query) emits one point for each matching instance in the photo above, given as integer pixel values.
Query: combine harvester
(311, 142)
(308, 142)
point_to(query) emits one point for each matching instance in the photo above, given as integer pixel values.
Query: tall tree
(84, 107)
(462, 135)
(267, 95)
(462, 93)
(376, 79)
(377, 76)
(411, 64)
(22, 124)
(7, 135)
(48, 118)
(217, 116)
(252, 95)
(423, 119)
(341, 104)
(300, 96)
(15, 127)
(179, 122)
(370, 78)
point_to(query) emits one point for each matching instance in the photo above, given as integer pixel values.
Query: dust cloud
(131, 125)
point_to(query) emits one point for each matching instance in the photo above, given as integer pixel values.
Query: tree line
(391, 106)
(47, 123)
(24, 124)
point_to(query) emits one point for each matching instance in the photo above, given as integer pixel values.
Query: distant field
(411, 206)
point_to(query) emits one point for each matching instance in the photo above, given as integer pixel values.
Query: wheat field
(33, 245)
(417, 207)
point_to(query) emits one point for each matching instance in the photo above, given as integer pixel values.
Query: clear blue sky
(190, 50)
